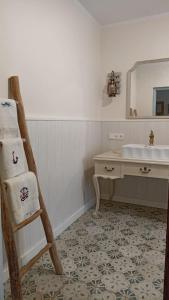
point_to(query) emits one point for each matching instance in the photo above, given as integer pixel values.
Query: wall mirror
(148, 89)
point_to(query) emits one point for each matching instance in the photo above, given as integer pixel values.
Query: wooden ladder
(8, 228)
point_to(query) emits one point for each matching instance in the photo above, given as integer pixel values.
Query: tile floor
(118, 256)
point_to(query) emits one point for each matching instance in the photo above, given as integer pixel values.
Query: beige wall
(54, 47)
(124, 44)
(61, 53)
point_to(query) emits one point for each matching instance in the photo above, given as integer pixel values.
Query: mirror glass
(148, 89)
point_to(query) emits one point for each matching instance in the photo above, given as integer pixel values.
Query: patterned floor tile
(123, 265)
(130, 251)
(99, 257)
(157, 244)
(72, 251)
(121, 242)
(154, 257)
(96, 287)
(134, 276)
(92, 247)
(126, 294)
(74, 291)
(89, 273)
(103, 296)
(117, 256)
(151, 272)
(68, 265)
(146, 291)
(106, 268)
(136, 239)
(139, 260)
(108, 245)
(158, 284)
(93, 230)
(115, 282)
(49, 285)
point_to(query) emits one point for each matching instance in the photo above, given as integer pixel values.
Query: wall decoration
(113, 84)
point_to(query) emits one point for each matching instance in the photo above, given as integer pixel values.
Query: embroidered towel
(8, 119)
(22, 192)
(12, 158)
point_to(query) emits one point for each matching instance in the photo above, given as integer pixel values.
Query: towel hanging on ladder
(12, 158)
(8, 119)
(23, 196)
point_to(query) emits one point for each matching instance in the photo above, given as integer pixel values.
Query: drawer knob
(109, 169)
(145, 170)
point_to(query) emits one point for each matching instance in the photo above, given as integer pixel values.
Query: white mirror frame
(128, 89)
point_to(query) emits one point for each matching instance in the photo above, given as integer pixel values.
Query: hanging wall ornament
(113, 84)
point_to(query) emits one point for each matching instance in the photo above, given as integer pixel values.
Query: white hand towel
(8, 119)
(22, 192)
(12, 158)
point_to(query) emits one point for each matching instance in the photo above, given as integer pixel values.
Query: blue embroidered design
(6, 104)
(14, 158)
(24, 193)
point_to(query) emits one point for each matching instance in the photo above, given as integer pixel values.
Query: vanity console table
(112, 165)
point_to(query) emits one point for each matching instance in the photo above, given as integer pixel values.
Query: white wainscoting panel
(63, 151)
(151, 192)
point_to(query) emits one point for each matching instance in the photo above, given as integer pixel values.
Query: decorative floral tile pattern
(117, 256)
(126, 294)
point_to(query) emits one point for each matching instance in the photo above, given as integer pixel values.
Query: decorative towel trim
(12, 158)
(22, 192)
(8, 119)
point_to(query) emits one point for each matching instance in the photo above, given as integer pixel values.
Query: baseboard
(58, 230)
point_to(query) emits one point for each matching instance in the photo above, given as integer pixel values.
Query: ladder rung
(25, 268)
(27, 221)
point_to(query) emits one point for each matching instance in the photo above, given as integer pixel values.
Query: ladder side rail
(10, 246)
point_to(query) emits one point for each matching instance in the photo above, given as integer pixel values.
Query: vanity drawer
(108, 168)
(146, 170)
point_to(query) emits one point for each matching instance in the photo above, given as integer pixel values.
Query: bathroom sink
(140, 151)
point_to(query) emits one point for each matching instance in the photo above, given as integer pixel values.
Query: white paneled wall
(135, 131)
(152, 192)
(63, 151)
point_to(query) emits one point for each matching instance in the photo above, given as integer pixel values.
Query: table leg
(97, 191)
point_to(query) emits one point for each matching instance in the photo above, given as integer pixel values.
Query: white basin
(139, 151)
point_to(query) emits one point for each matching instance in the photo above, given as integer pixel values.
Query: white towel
(8, 119)
(22, 192)
(12, 158)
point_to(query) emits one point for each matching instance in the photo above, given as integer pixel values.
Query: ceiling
(111, 11)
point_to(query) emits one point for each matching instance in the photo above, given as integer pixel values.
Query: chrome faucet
(151, 138)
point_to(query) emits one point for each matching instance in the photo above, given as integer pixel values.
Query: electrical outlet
(116, 136)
